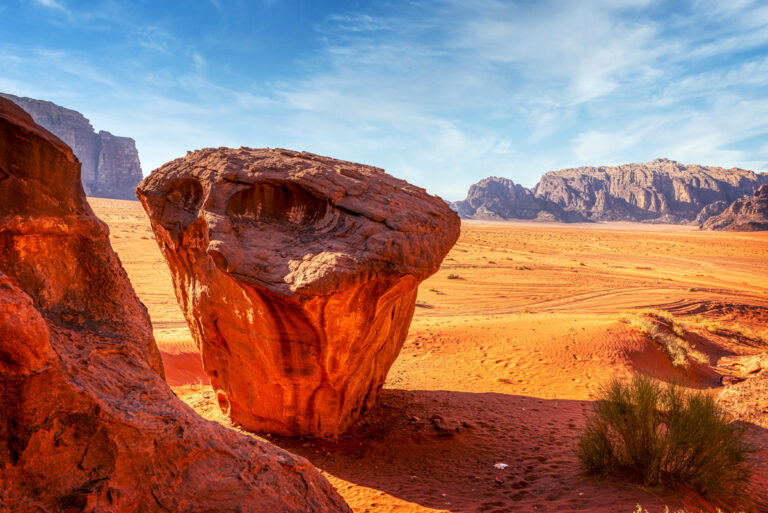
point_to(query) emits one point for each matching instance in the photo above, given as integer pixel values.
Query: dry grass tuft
(662, 328)
(736, 330)
(661, 435)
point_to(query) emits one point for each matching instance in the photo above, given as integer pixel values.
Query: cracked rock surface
(297, 275)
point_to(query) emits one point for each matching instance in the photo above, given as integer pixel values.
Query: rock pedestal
(87, 423)
(297, 275)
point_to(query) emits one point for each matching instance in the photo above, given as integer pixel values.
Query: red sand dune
(501, 363)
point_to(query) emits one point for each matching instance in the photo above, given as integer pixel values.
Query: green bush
(661, 435)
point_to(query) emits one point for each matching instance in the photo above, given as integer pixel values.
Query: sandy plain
(509, 341)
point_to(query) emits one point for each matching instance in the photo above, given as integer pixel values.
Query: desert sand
(509, 342)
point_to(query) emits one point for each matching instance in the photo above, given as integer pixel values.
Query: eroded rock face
(658, 191)
(297, 275)
(110, 164)
(711, 210)
(87, 423)
(497, 198)
(748, 214)
(119, 169)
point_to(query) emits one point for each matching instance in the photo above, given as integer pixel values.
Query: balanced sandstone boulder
(297, 275)
(88, 423)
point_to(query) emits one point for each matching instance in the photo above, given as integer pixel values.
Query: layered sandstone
(297, 275)
(87, 423)
(748, 214)
(110, 164)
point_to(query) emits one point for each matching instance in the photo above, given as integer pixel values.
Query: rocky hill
(711, 210)
(497, 198)
(88, 422)
(110, 164)
(658, 191)
(748, 214)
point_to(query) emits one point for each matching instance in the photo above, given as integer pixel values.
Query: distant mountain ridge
(110, 166)
(496, 198)
(661, 190)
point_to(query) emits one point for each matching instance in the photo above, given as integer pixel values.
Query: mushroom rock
(88, 423)
(297, 275)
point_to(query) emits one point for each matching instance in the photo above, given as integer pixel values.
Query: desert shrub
(661, 435)
(454, 276)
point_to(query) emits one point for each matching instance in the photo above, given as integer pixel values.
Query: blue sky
(441, 93)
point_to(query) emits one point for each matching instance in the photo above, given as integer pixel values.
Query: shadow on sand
(438, 449)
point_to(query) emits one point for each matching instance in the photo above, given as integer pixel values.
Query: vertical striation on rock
(110, 164)
(119, 169)
(659, 191)
(297, 275)
(87, 423)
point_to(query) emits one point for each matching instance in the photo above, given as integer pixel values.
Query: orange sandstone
(297, 275)
(88, 423)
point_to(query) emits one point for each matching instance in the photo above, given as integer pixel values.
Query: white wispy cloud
(52, 4)
(445, 92)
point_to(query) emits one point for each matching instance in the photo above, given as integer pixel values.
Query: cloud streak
(442, 93)
(52, 4)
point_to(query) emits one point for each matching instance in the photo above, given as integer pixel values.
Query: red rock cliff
(87, 423)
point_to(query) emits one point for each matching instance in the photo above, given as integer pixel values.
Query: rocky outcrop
(297, 275)
(711, 210)
(119, 169)
(497, 198)
(660, 191)
(110, 164)
(87, 423)
(749, 214)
